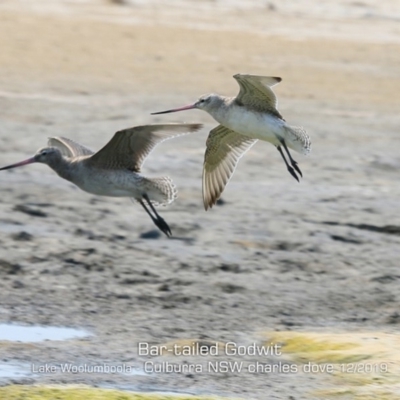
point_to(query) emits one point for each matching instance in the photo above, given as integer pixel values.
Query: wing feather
(68, 147)
(224, 148)
(256, 94)
(129, 148)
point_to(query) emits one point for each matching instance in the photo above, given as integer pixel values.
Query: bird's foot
(296, 167)
(291, 170)
(163, 226)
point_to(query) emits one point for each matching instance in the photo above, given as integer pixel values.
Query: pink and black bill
(20, 164)
(189, 107)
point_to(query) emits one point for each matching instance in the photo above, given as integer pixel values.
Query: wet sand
(319, 256)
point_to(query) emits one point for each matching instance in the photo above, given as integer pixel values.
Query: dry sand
(276, 255)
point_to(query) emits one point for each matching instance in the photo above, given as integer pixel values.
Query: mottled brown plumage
(115, 169)
(224, 149)
(255, 93)
(244, 119)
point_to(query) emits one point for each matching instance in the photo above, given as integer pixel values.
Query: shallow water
(34, 333)
(14, 371)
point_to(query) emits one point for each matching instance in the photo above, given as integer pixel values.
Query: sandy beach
(277, 261)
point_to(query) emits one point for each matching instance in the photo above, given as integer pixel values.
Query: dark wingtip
(196, 127)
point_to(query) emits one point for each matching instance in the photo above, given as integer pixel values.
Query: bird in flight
(244, 119)
(115, 170)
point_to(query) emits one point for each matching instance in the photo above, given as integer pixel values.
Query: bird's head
(46, 155)
(207, 102)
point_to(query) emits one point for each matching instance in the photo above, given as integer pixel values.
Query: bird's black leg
(289, 168)
(158, 221)
(293, 163)
(148, 212)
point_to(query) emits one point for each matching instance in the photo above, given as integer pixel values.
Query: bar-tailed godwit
(115, 169)
(244, 119)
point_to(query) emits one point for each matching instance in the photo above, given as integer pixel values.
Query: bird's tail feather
(297, 139)
(161, 191)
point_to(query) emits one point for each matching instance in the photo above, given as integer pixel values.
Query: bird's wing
(255, 92)
(129, 148)
(224, 149)
(68, 147)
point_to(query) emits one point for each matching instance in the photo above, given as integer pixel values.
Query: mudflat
(274, 258)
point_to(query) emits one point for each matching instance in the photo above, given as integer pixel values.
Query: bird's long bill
(191, 106)
(20, 164)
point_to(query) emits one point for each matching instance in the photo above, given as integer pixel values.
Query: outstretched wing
(68, 147)
(129, 148)
(224, 149)
(256, 94)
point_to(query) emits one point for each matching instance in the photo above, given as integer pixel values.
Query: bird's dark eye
(202, 101)
(44, 153)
